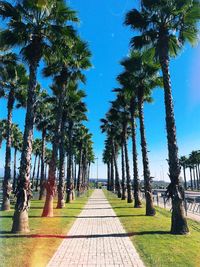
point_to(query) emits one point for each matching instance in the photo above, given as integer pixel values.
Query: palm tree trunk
(128, 176)
(42, 174)
(184, 174)
(193, 169)
(84, 169)
(123, 173)
(79, 178)
(61, 189)
(150, 210)
(20, 218)
(14, 169)
(38, 173)
(51, 182)
(198, 170)
(73, 182)
(33, 174)
(46, 167)
(108, 176)
(111, 175)
(191, 181)
(69, 165)
(117, 182)
(7, 188)
(88, 174)
(197, 177)
(175, 189)
(136, 185)
(75, 172)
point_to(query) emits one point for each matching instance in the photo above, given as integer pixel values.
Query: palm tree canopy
(13, 76)
(168, 22)
(139, 76)
(33, 25)
(68, 61)
(3, 126)
(16, 136)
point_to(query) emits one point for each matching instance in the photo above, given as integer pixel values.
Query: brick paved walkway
(97, 238)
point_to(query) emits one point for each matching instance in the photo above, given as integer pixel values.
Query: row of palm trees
(43, 35)
(16, 145)
(161, 29)
(192, 162)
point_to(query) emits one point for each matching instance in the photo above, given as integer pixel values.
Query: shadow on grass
(36, 208)
(55, 216)
(84, 236)
(97, 208)
(125, 208)
(75, 203)
(81, 217)
(97, 217)
(73, 208)
(39, 216)
(4, 232)
(133, 215)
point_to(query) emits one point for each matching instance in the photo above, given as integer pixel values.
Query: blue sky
(102, 27)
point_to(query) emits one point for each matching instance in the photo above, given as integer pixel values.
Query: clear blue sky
(102, 26)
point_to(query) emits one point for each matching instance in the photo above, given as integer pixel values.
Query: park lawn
(151, 237)
(36, 248)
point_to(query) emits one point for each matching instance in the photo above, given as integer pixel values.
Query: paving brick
(97, 238)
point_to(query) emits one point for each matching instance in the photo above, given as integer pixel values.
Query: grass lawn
(36, 249)
(151, 237)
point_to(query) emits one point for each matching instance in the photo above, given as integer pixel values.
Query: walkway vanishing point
(96, 239)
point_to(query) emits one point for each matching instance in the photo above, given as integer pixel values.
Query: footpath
(96, 239)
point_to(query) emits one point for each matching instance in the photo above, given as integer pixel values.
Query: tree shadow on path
(83, 236)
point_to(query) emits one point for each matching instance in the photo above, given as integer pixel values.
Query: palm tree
(47, 160)
(198, 168)
(61, 188)
(165, 28)
(13, 79)
(126, 81)
(81, 134)
(190, 166)
(74, 114)
(106, 160)
(37, 144)
(143, 78)
(38, 171)
(17, 138)
(123, 172)
(3, 124)
(183, 161)
(136, 183)
(44, 120)
(90, 156)
(86, 159)
(194, 159)
(120, 119)
(122, 106)
(111, 127)
(32, 27)
(65, 68)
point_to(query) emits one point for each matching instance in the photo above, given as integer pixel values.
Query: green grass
(151, 237)
(36, 248)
